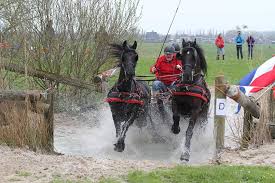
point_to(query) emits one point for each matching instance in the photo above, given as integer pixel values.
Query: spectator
(219, 42)
(166, 69)
(250, 44)
(239, 45)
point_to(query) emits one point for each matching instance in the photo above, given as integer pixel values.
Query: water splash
(93, 134)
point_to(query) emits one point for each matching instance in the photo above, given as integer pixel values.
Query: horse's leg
(117, 122)
(120, 145)
(189, 133)
(176, 118)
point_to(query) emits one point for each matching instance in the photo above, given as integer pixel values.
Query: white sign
(221, 107)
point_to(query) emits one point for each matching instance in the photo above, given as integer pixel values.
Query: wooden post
(272, 107)
(50, 118)
(219, 121)
(272, 114)
(1, 77)
(247, 127)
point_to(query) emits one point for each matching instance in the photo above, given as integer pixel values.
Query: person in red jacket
(219, 42)
(167, 69)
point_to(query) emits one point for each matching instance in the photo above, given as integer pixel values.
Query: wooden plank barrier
(26, 119)
(246, 102)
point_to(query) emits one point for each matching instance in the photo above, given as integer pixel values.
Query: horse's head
(127, 57)
(193, 61)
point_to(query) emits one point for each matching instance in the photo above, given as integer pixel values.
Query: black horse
(129, 99)
(191, 96)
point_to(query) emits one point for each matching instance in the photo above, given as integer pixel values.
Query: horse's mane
(116, 51)
(200, 52)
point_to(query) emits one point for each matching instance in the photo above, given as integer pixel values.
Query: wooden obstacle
(251, 109)
(26, 119)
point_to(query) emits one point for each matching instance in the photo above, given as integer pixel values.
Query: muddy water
(93, 134)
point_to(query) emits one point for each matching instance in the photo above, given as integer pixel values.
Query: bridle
(188, 49)
(121, 64)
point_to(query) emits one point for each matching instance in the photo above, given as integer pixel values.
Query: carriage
(130, 98)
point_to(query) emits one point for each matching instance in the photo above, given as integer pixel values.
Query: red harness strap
(189, 91)
(191, 94)
(125, 97)
(130, 101)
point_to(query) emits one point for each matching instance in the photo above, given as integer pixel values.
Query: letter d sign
(220, 107)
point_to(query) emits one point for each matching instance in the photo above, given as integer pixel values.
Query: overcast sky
(207, 14)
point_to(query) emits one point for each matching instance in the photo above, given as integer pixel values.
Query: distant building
(152, 36)
(272, 42)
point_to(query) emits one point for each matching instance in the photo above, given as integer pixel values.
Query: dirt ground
(264, 155)
(19, 165)
(26, 166)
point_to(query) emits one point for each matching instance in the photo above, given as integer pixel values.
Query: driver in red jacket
(167, 69)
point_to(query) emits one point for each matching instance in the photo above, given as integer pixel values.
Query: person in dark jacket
(239, 41)
(250, 45)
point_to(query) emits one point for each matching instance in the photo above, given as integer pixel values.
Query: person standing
(219, 42)
(250, 44)
(239, 45)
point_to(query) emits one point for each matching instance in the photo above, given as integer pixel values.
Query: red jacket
(219, 42)
(165, 68)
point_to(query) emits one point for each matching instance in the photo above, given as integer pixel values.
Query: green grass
(231, 68)
(194, 174)
(205, 174)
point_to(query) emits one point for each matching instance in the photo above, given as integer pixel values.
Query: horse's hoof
(119, 146)
(175, 130)
(185, 157)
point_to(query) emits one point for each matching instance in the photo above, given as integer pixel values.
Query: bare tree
(66, 37)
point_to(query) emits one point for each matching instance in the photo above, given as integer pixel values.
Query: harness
(198, 87)
(116, 96)
(124, 97)
(191, 90)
